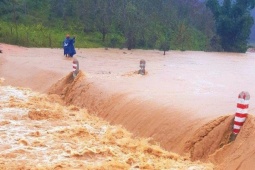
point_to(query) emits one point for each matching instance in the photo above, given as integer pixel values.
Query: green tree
(164, 46)
(103, 19)
(131, 24)
(233, 22)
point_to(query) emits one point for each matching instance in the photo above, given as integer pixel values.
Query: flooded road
(181, 93)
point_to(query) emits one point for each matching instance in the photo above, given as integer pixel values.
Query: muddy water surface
(182, 92)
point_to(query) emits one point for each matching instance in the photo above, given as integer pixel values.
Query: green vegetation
(40, 36)
(146, 24)
(233, 22)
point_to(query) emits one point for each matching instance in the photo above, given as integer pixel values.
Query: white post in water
(241, 113)
(142, 66)
(75, 67)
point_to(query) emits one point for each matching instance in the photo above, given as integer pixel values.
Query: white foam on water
(7, 91)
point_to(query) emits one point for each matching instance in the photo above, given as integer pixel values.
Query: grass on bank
(39, 36)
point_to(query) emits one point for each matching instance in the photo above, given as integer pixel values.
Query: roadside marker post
(241, 113)
(142, 66)
(75, 67)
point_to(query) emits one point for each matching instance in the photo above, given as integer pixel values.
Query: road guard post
(142, 67)
(241, 113)
(75, 67)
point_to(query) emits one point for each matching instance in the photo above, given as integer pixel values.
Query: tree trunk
(27, 39)
(15, 21)
(50, 42)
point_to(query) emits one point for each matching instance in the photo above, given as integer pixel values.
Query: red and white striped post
(241, 113)
(75, 67)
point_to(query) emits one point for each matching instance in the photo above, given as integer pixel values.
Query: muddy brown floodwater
(185, 102)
